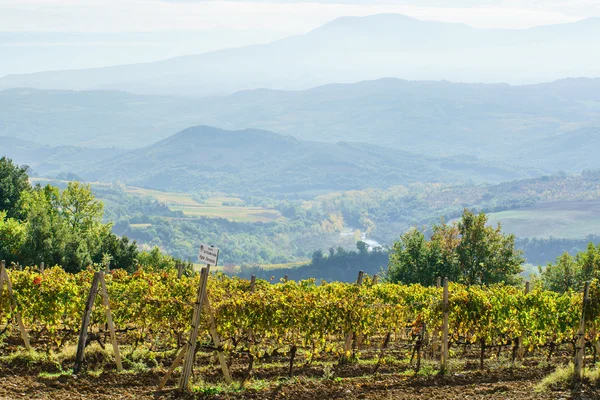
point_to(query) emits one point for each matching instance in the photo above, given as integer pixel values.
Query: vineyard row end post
(580, 349)
(350, 335)
(184, 382)
(4, 278)
(98, 280)
(444, 349)
(521, 349)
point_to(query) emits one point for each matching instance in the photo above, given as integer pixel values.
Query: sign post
(208, 255)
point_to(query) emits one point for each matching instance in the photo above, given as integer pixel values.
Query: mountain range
(540, 128)
(251, 161)
(350, 49)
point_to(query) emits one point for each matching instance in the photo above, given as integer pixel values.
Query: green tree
(12, 237)
(570, 272)
(468, 252)
(410, 259)
(362, 247)
(485, 254)
(63, 228)
(13, 182)
(155, 260)
(563, 275)
(122, 252)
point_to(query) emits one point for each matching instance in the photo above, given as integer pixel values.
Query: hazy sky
(39, 35)
(289, 16)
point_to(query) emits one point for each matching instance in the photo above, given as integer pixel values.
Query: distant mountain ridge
(251, 161)
(350, 49)
(513, 125)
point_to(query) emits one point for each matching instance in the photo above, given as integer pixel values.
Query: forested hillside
(259, 162)
(545, 127)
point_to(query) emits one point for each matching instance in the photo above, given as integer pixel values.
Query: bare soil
(504, 383)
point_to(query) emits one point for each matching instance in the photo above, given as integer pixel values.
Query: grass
(567, 219)
(281, 266)
(140, 226)
(232, 213)
(562, 378)
(164, 197)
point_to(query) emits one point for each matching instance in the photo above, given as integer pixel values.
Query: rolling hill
(52, 160)
(532, 126)
(255, 161)
(351, 49)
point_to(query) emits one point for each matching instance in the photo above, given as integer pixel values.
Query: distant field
(232, 213)
(567, 219)
(140, 226)
(230, 208)
(164, 197)
(288, 265)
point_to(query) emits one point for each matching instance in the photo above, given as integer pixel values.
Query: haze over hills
(52, 160)
(355, 48)
(251, 161)
(526, 126)
(28, 52)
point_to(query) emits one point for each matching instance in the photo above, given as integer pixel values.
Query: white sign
(208, 255)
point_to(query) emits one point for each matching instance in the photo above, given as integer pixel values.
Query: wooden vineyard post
(444, 349)
(350, 335)
(285, 278)
(4, 278)
(87, 314)
(175, 364)
(520, 339)
(435, 338)
(375, 279)
(109, 322)
(216, 339)
(179, 270)
(209, 255)
(580, 349)
(42, 267)
(250, 335)
(184, 382)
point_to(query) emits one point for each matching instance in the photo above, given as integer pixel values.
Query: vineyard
(300, 321)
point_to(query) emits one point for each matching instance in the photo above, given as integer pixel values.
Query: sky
(289, 16)
(37, 35)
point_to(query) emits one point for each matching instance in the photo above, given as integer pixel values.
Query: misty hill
(51, 161)
(351, 49)
(518, 125)
(256, 161)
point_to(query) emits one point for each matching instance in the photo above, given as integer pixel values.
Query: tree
(155, 260)
(362, 247)
(63, 228)
(12, 237)
(122, 252)
(485, 254)
(468, 252)
(13, 182)
(561, 276)
(409, 259)
(570, 272)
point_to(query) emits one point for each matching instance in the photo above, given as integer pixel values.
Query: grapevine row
(157, 307)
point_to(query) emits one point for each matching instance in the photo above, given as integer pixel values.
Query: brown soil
(494, 384)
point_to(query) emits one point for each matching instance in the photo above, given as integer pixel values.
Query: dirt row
(518, 383)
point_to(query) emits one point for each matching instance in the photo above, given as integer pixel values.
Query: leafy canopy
(13, 182)
(469, 252)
